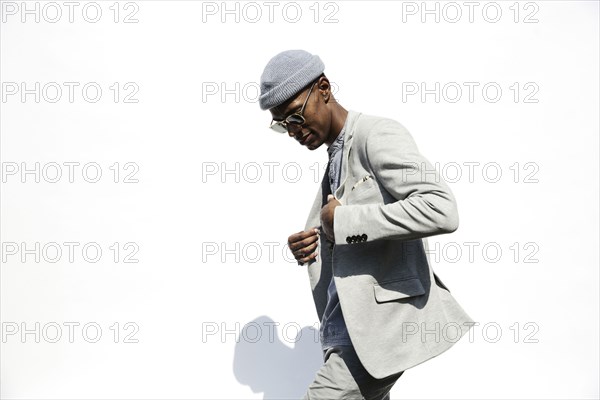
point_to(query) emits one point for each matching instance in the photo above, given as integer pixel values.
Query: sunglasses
(292, 122)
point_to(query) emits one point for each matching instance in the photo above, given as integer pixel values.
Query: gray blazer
(397, 311)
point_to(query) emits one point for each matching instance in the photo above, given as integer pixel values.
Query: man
(381, 307)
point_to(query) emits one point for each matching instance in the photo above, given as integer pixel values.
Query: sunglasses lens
(295, 119)
(278, 127)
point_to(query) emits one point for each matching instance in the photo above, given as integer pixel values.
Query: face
(316, 129)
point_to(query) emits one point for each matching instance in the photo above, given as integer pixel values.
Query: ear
(324, 89)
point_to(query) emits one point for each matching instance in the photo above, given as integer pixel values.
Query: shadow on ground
(269, 365)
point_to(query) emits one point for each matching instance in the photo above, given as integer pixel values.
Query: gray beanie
(287, 74)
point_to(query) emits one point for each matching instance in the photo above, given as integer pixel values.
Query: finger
(309, 249)
(299, 245)
(296, 237)
(306, 250)
(293, 246)
(302, 234)
(310, 257)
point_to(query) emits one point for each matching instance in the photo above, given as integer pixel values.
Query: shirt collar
(338, 143)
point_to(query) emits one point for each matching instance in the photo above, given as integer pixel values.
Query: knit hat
(286, 75)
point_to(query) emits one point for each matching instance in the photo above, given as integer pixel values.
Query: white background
(182, 296)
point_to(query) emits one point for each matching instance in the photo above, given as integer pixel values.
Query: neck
(338, 119)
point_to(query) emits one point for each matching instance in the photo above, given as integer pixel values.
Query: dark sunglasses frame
(296, 119)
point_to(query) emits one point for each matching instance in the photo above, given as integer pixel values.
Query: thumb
(330, 197)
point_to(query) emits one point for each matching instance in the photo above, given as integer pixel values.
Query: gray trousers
(343, 376)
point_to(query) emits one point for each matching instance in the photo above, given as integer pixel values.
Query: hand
(327, 213)
(303, 245)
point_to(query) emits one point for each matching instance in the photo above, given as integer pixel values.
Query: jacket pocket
(363, 189)
(361, 181)
(398, 289)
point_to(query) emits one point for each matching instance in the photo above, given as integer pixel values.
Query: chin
(314, 146)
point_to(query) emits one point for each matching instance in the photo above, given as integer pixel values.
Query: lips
(305, 138)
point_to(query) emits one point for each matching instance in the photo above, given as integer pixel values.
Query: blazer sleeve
(424, 205)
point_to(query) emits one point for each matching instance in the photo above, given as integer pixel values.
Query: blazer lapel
(324, 190)
(314, 217)
(351, 119)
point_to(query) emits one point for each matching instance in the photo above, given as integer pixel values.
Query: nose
(294, 132)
